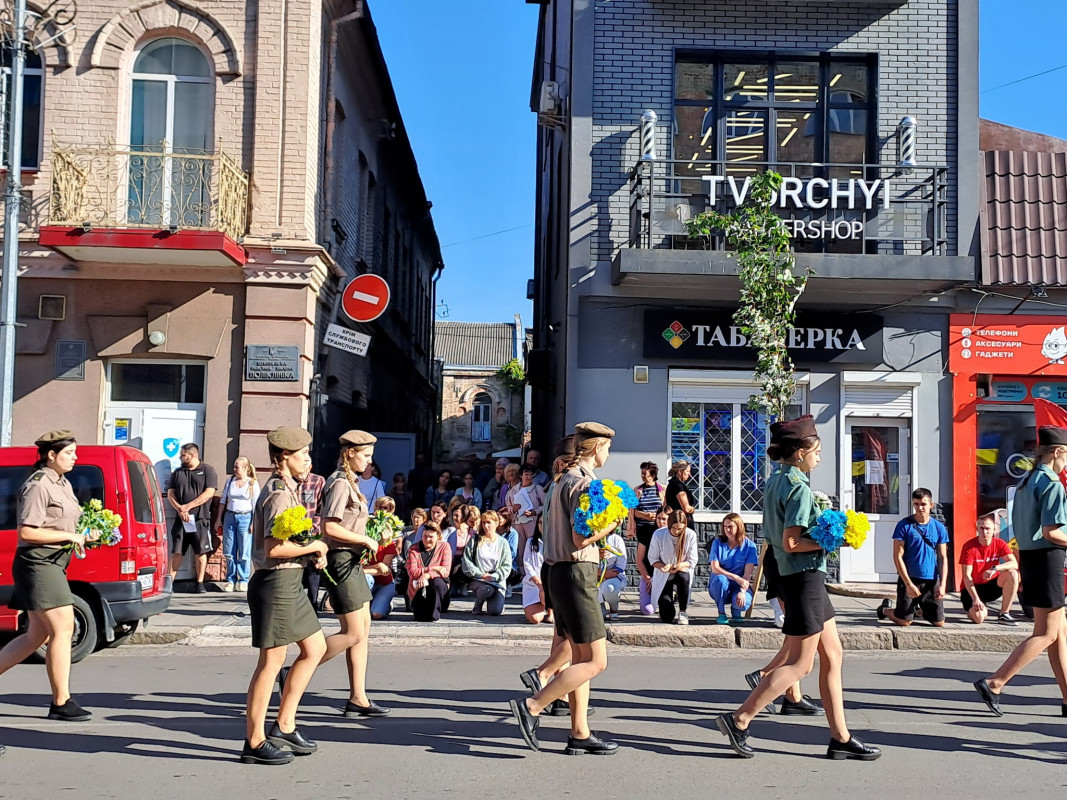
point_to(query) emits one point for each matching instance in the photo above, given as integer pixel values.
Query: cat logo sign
(1007, 345)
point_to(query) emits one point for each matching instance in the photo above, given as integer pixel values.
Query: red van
(114, 587)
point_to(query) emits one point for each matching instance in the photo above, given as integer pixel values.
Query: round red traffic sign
(365, 298)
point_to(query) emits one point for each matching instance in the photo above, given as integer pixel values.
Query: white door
(876, 480)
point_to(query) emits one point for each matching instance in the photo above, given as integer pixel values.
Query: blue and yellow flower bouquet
(603, 507)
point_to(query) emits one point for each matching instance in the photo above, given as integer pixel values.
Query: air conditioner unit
(550, 100)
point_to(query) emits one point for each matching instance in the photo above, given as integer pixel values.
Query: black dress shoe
(295, 741)
(880, 611)
(804, 708)
(991, 699)
(283, 673)
(373, 710)
(68, 712)
(1063, 709)
(592, 744)
(528, 723)
(738, 738)
(561, 708)
(266, 753)
(853, 748)
(531, 680)
(753, 679)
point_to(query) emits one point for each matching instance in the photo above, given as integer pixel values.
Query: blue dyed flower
(829, 530)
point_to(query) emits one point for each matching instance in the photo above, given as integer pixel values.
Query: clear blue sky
(462, 68)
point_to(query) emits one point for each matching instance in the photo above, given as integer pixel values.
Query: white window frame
(171, 82)
(723, 387)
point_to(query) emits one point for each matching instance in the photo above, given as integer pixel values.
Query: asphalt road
(169, 725)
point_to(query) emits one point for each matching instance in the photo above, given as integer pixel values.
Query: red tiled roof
(1024, 217)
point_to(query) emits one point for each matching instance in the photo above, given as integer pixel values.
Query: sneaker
(1007, 619)
(722, 620)
(242, 586)
(683, 619)
(68, 712)
(229, 587)
(201, 589)
(613, 616)
(779, 615)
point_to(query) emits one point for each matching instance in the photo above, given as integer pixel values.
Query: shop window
(152, 382)
(482, 418)
(32, 108)
(780, 110)
(727, 445)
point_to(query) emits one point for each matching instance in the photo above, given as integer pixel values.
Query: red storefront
(1000, 364)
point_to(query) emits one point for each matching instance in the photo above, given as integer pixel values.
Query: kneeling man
(920, 553)
(990, 572)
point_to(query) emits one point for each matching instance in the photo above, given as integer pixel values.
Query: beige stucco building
(202, 178)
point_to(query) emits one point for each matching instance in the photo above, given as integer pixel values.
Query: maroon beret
(794, 431)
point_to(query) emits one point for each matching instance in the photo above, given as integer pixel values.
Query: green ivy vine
(513, 375)
(770, 286)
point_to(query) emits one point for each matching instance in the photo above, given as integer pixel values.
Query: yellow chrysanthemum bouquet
(294, 525)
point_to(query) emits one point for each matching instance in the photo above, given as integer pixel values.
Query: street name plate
(272, 362)
(344, 339)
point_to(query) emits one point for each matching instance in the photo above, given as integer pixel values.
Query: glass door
(879, 485)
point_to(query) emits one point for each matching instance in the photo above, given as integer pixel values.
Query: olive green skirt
(39, 575)
(351, 592)
(280, 608)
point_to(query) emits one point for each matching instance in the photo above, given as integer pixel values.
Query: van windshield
(87, 481)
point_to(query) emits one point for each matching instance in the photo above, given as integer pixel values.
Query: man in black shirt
(189, 492)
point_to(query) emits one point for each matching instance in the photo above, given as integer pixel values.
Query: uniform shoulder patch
(277, 485)
(794, 479)
(37, 475)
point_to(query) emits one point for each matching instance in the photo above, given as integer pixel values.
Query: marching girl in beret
(344, 520)
(1039, 520)
(48, 515)
(281, 611)
(789, 512)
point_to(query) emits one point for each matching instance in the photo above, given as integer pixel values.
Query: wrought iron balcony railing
(831, 208)
(115, 186)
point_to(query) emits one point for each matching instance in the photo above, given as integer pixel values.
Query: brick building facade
(869, 111)
(208, 175)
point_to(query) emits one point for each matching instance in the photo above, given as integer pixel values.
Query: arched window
(32, 107)
(171, 122)
(482, 418)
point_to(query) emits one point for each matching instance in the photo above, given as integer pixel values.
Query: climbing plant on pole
(770, 286)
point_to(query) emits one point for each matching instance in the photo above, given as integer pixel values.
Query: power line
(487, 235)
(1027, 78)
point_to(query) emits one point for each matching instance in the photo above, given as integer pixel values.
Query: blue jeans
(489, 596)
(382, 595)
(723, 591)
(237, 545)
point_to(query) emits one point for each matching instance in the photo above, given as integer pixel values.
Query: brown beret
(589, 430)
(793, 431)
(1049, 435)
(288, 438)
(52, 437)
(357, 439)
(565, 446)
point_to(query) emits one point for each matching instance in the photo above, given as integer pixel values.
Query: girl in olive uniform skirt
(344, 520)
(48, 515)
(572, 585)
(281, 611)
(789, 512)
(1039, 520)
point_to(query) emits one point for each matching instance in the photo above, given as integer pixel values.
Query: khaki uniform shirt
(343, 502)
(46, 500)
(789, 503)
(558, 523)
(279, 493)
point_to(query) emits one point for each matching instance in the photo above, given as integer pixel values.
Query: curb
(851, 590)
(713, 637)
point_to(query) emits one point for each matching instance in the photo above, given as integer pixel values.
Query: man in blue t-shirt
(920, 553)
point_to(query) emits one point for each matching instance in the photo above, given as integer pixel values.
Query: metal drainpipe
(331, 113)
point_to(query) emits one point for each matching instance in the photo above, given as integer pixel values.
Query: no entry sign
(365, 298)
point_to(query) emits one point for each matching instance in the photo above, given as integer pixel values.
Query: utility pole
(12, 205)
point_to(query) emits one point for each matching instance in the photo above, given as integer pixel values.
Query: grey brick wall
(633, 66)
